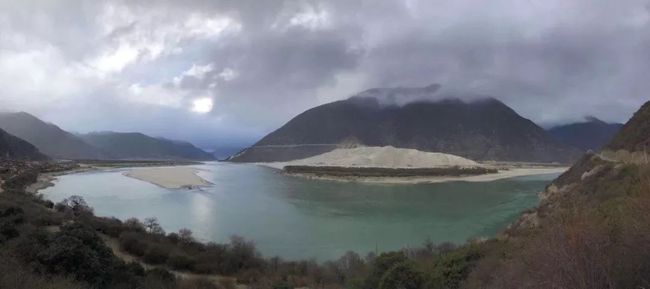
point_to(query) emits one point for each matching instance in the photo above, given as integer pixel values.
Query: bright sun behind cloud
(202, 105)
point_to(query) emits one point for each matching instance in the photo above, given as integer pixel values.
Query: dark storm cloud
(263, 62)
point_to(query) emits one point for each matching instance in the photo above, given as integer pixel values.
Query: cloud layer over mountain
(234, 69)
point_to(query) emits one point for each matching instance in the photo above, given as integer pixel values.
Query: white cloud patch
(133, 34)
(202, 105)
(228, 74)
(158, 95)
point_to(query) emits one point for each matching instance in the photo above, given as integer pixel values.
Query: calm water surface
(298, 218)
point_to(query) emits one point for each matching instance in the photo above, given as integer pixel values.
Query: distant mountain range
(60, 144)
(14, 148)
(484, 129)
(592, 134)
(140, 146)
(48, 138)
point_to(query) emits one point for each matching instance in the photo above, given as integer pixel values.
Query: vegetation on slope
(635, 134)
(12, 147)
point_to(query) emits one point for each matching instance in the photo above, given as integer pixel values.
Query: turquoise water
(298, 218)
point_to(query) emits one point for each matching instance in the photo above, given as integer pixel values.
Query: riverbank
(501, 174)
(46, 179)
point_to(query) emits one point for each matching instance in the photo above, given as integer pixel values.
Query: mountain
(592, 134)
(223, 152)
(48, 138)
(635, 134)
(140, 146)
(482, 129)
(14, 148)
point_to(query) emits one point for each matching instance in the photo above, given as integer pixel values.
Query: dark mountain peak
(392, 96)
(593, 119)
(479, 128)
(589, 134)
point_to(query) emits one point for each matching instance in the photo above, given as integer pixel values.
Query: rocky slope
(483, 129)
(590, 230)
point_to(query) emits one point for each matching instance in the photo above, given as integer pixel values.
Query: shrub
(402, 275)
(133, 224)
(180, 262)
(452, 268)
(197, 284)
(161, 274)
(130, 242)
(8, 231)
(382, 264)
(156, 255)
(78, 251)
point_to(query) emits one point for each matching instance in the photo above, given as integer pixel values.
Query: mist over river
(298, 218)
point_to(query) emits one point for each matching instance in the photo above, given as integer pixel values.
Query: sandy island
(390, 157)
(169, 177)
(502, 174)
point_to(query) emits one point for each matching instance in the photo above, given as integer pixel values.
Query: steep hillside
(635, 134)
(591, 229)
(48, 138)
(484, 129)
(140, 146)
(591, 134)
(14, 148)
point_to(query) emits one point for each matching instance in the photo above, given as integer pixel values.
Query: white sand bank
(380, 157)
(169, 177)
(390, 157)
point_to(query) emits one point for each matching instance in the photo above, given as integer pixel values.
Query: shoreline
(46, 180)
(501, 174)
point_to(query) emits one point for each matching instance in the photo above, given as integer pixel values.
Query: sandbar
(169, 177)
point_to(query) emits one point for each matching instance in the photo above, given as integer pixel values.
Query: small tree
(134, 224)
(76, 205)
(152, 226)
(185, 236)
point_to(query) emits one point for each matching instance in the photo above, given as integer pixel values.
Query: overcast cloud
(224, 71)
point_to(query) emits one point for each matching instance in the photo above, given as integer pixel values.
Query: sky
(224, 72)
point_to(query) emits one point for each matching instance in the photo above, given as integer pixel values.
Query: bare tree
(152, 226)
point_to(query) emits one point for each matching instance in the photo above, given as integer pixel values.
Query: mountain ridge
(481, 129)
(136, 145)
(590, 134)
(47, 137)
